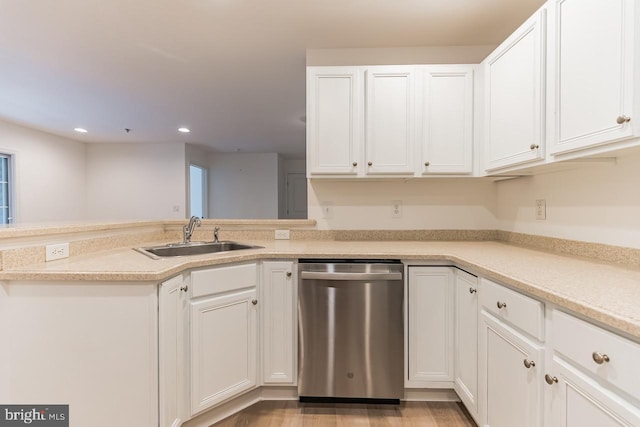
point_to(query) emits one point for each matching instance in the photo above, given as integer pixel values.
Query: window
(198, 191)
(5, 189)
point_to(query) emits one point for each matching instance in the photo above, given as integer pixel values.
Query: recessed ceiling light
(184, 130)
(81, 130)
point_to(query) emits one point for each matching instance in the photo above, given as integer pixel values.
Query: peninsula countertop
(603, 292)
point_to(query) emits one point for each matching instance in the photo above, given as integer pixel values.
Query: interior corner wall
(431, 204)
(49, 173)
(595, 203)
(243, 185)
(136, 181)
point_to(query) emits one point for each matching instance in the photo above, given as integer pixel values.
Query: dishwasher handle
(317, 275)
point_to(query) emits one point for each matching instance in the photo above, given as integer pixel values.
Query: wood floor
(293, 413)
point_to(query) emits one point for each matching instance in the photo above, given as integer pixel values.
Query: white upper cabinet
(592, 72)
(390, 120)
(334, 108)
(514, 97)
(447, 120)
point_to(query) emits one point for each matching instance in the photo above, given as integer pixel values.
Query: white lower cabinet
(223, 347)
(579, 401)
(279, 323)
(429, 327)
(466, 340)
(172, 334)
(593, 377)
(512, 367)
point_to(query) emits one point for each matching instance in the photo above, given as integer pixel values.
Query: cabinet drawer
(513, 307)
(581, 342)
(223, 279)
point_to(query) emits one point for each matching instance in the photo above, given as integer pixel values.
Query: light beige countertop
(603, 292)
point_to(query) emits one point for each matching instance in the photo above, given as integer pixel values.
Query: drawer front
(513, 307)
(223, 279)
(589, 346)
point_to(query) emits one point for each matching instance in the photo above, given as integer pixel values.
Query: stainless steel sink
(192, 248)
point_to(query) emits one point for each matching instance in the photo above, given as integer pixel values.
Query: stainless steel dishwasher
(351, 333)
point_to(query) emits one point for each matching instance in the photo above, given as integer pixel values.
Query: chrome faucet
(215, 235)
(187, 230)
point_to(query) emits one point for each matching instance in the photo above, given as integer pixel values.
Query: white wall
(243, 185)
(435, 204)
(49, 175)
(399, 55)
(136, 181)
(595, 203)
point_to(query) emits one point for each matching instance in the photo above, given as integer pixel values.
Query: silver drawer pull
(550, 380)
(623, 119)
(254, 302)
(534, 146)
(600, 358)
(501, 304)
(472, 290)
(184, 288)
(529, 363)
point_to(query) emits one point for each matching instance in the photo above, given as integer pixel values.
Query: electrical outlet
(58, 251)
(396, 209)
(282, 234)
(541, 209)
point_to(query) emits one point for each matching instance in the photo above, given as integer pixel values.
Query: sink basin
(193, 248)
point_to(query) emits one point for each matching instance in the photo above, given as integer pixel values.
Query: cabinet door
(430, 326)
(447, 124)
(514, 91)
(466, 340)
(390, 120)
(172, 375)
(579, 401)
(334, 117)
(512, 391)
(279, 323)
(223, 348)
(593, 71)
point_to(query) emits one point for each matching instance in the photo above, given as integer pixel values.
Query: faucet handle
(215, 234)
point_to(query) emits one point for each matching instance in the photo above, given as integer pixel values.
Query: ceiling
(231, 70)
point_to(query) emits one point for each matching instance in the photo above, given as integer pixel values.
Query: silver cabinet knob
(184, 288)
(623, 119)
(355, 164)
(370, 163)
(529, 363)
(426, 163)
(254, 302)
(600, 358)
(501, 304)
(550, 380)
(288, 274)
(534, 146)
(472, 290)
